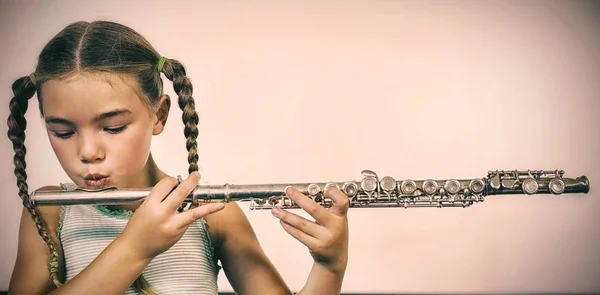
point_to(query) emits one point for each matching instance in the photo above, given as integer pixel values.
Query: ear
(162, 113)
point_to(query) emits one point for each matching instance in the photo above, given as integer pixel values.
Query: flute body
(371, 191)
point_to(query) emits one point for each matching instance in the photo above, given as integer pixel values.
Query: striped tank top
(187, 267)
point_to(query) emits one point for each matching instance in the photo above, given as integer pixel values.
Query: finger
(315, 210)
(175, 199)
(341, 202)
(161, 190)
(310, 228)
(299, 235)
(191, 215)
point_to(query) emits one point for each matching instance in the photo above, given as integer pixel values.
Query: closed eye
(62, 135)
(115, 130)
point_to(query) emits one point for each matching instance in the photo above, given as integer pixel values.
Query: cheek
(130, 152)
(64, 151)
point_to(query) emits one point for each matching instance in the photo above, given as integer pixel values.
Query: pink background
(300, 91)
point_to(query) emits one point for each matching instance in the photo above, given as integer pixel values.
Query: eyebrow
(103, 116)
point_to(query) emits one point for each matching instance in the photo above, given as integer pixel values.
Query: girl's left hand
(327, 237)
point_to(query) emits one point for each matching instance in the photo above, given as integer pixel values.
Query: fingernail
(289, 190)
(197, 173)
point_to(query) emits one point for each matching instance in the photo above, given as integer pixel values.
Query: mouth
(95, 180)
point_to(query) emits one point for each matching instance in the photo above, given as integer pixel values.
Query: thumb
(341, 202)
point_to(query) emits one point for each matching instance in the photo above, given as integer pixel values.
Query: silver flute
(371, 191)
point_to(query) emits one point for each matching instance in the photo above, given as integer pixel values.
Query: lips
(95, 180)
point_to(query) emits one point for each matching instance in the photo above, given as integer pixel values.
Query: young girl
(100, 94)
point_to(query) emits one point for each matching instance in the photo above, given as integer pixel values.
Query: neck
(151, 174)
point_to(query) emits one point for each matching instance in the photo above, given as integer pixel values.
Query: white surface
(297, 91)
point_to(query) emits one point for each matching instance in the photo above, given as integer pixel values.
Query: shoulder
(49, 214)
(30, 273)
(232, 234)
(223, 223)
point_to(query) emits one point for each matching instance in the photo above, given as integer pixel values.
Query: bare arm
(248, 269)
(117, 267)
(245, 264)
(326, 237)
(31, 276)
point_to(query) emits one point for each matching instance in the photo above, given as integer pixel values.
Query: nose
(91, 149)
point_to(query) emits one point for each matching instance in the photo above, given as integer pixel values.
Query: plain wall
(300, 91)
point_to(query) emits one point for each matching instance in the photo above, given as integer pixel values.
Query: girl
(100, 94)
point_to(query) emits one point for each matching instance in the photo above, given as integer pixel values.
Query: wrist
(324, 279)
(336, 270)
(130, 253)
(334, 266)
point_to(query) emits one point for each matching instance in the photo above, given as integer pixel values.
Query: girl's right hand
(157, 225)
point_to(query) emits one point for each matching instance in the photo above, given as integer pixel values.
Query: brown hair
(97, 47)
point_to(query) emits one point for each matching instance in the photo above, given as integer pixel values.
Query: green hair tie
(161, 63)
(32, 77)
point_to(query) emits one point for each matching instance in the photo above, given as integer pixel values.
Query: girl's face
(100, 130)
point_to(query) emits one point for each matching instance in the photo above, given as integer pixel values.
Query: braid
(142, 285)
(175, 72)
(23, 89)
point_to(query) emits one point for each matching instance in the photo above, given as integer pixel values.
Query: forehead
(86, 95)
